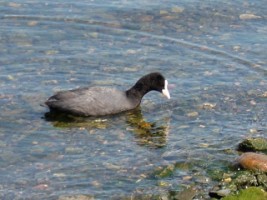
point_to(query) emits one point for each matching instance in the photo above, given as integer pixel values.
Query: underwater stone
(220, 193)
(253, 144)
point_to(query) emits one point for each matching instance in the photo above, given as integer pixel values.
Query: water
(212, 53)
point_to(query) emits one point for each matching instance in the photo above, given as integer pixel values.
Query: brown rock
(253, 161)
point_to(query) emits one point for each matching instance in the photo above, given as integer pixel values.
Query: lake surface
(213, 54)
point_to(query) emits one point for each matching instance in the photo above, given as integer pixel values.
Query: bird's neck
(138, 91)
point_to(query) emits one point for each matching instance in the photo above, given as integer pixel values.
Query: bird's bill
(165, 91)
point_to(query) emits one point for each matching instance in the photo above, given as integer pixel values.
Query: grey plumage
(91, 101)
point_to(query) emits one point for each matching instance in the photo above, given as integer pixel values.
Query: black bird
(99, 101)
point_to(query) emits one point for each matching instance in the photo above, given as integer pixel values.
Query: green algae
(253, 144)
(248, 194)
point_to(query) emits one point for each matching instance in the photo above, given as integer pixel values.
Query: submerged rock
(253, 144)
(219, 193)
(262, 180)
(253, 161)
(243, 180)
(239, 181)
(76, 197)
(247, 16)
(164, 172)
(187, 194)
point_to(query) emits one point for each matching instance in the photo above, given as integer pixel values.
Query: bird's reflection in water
(150, 134)
(63, 120)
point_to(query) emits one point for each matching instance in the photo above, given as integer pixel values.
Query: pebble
(112, 166)
(209, 105)
(253, 130)
(163, 12)
(10, 77)
(264, 94)
(41, 187)
(169, 17)
(96, 184)
(73, 150)
(177, 9)
(186, 178)
(14, 5)
(208, 73)
(227, 180)
(192, 114)
(146, 18)
(236, 48)
(94, 34)
(32, 23)
(35, 142)
(249, 16)
(164, 184)
(131, 51)
(253, 161)
(51, 52)
(131, 69)
(59, 175)
(204, 145)
(203, 179)
(183, 127)
(253, 102)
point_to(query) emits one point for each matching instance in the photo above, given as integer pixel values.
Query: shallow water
(212, 53)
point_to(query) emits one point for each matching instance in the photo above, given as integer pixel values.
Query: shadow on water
(151, 134)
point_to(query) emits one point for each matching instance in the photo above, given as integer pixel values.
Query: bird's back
(91, 101)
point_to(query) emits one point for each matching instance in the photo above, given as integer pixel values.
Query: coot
(99, 101)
